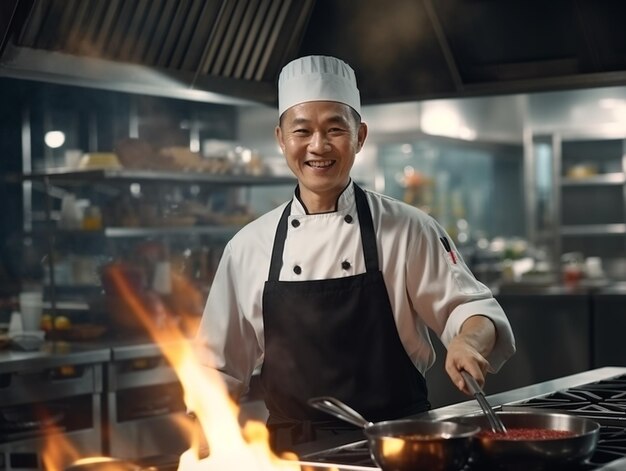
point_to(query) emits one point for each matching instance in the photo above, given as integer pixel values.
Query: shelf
(125, 175)
(67, 305)
(616, 178)
(121, 232)
(223, 231)
(594, 230)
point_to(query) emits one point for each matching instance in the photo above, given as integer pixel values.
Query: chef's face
(320, 140)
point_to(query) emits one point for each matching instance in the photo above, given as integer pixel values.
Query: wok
(407, 445)
(496, 453)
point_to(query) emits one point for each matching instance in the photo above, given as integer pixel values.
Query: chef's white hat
(317, 78)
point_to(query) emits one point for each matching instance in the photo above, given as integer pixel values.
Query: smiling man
(333, 292)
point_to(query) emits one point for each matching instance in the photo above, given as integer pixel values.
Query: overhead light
(611, 102)
(54, 139)
(443, 119)
(467, 133)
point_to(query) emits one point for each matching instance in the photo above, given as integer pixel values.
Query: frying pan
(408, 445)
(542, 454)
(102, 463)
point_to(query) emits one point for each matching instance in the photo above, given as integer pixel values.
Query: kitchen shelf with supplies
(185, 222)
(147, 220)
(590, 197)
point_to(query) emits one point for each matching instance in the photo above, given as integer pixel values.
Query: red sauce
(526, 434)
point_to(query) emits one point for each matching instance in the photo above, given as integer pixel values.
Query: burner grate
(354, 454)
(606, 398)
(603, 401)
(611, 446)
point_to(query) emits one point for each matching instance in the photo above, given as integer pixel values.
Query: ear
(361, 136)
(278, 133)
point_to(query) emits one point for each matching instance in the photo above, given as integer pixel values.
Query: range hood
(210, 50)
(418, 49)
(402, 50)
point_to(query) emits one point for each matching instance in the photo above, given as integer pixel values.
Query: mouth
(321, 164)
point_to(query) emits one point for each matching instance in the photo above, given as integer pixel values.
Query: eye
(301, 131)
(336, 130)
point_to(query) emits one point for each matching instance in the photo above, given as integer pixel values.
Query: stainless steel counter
(52, 355)
(525, 393)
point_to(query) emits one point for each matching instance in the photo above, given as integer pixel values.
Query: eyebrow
(333, 119)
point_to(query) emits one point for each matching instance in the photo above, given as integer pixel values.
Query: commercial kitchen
(137, 138)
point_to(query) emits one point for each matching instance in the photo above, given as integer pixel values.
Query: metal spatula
(494, 421)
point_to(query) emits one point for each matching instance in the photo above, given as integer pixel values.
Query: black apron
(334, 337)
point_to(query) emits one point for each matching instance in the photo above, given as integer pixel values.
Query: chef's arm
(469, 350)
(226, 341)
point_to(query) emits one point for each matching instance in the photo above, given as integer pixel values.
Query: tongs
(494, 421)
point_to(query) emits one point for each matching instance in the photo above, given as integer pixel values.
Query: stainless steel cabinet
(609, 325)
(48, 395)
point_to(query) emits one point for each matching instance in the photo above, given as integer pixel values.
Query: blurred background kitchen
(138, 136)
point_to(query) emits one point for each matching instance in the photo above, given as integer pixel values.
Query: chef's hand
(467, 351)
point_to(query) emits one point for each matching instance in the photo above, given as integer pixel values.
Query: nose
(318, 143)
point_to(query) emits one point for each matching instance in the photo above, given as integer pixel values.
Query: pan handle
(338, 409)
(494, 421)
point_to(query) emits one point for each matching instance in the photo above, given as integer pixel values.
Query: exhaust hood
(211, 50)
(402, 50)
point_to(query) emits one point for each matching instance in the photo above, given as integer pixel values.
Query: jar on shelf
(92, 219)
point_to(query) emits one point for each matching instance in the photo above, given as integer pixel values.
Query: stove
(603, 401)
(598, 394)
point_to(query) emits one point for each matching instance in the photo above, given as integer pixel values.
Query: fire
(57, 451)
(230, 446)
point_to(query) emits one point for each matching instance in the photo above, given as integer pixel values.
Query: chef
(332, 293)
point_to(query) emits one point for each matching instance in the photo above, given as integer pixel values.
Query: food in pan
(525, 433)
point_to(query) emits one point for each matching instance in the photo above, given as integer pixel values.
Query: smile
(320, 163)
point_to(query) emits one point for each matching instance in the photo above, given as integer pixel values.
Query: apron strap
(276, 262)
(368, 234)
(366, 227)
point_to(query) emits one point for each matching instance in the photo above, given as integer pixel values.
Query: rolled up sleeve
(504, 347)
(447, 294)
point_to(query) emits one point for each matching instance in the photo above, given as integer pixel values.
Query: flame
(230, 446)
(58, 451)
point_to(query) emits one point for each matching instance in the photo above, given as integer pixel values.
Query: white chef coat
(426, 287)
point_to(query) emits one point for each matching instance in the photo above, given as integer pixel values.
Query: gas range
(603, 401)
(598, 394)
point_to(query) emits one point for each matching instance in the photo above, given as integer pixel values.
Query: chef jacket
(427, 281)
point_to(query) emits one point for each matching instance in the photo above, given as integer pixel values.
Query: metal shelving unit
(576, 193)
(51, 183)
(591, 210)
